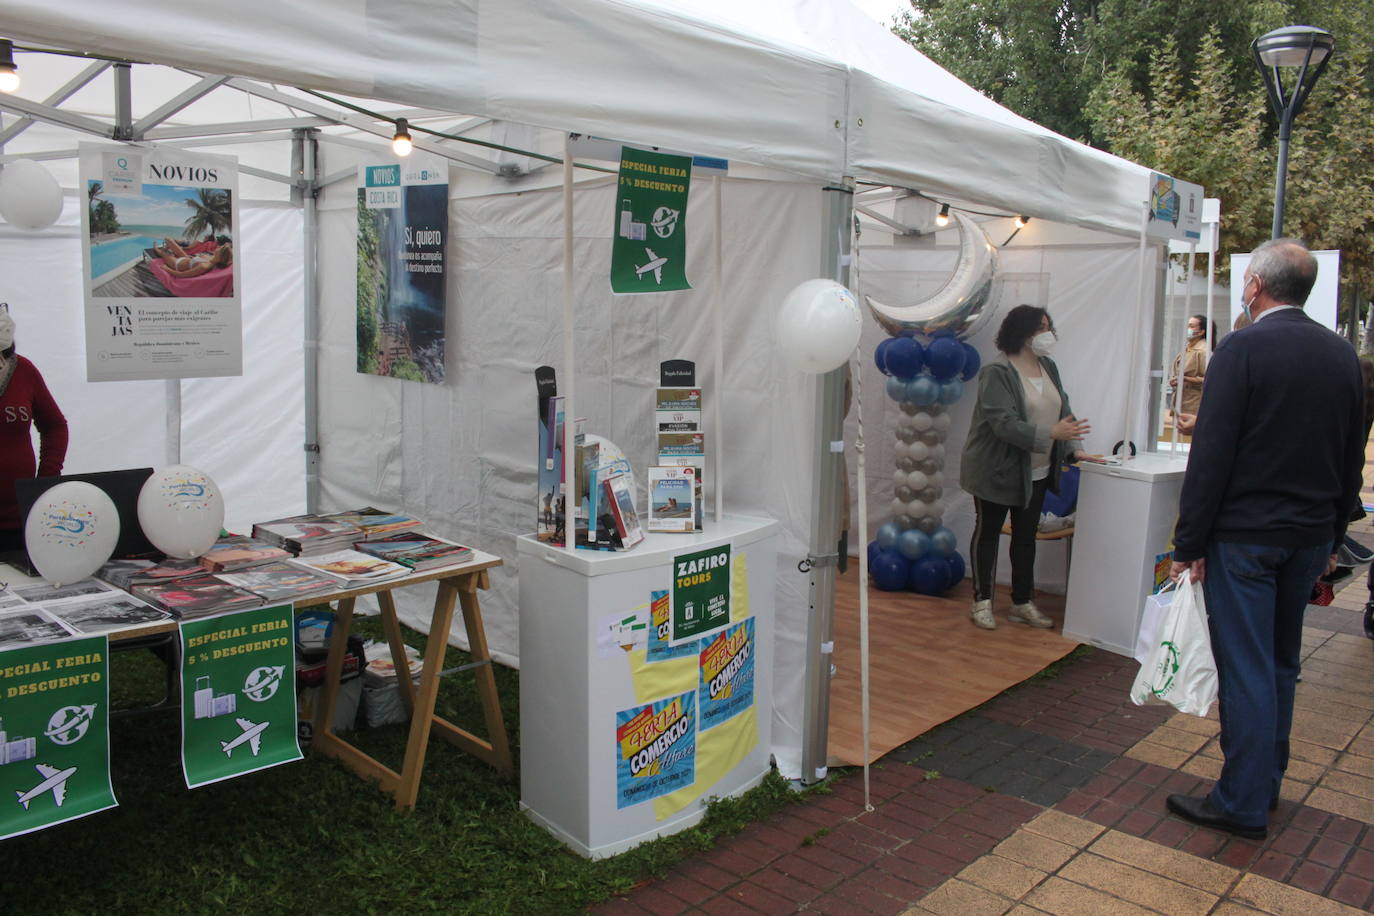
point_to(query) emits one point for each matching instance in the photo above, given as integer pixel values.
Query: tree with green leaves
(211, 212)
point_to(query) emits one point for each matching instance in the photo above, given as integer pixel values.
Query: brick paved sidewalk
(1050, 799)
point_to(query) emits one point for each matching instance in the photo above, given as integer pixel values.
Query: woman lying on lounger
(181, 264)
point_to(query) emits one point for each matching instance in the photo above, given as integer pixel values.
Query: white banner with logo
(159, 260)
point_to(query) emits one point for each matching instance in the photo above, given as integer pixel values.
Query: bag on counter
(1179, 669)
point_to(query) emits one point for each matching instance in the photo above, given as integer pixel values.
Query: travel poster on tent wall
(161, 266)
(649, 253)
(402, 240)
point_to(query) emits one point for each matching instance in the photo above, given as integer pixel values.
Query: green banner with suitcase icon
(649, 253)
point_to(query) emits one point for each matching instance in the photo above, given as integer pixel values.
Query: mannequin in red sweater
(24, 403)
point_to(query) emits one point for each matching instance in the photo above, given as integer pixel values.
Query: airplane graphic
(655, 264)
(251, 733)
(54, 781)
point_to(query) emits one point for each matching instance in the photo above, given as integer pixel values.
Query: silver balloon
(928, 467)
(931, 437)
(929, 524)
(937, 508)
(903, 421)
(898, 507)
(917, 481)
(937, 480)
(917, 510)
(906, 463)
(922, 421)
(901, 449)
(929, 494)
(907, 434)
(908, 408)
(942, 421)
(905, 522)
(899, 478)
(937, 451)
(904, 493)
(964, 304)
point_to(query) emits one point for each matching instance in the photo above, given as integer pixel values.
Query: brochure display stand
(1125, 523)
(645, 680)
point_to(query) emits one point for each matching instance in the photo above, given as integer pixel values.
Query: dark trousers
(983, 548)
(1256, 596)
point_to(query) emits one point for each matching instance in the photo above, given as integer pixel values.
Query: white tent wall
(1086, 279)
(245, 432)
(461, 454)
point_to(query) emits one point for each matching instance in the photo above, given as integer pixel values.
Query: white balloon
(917, 509)
(71, 531)
(818, 326)
(901, 449)
(922, 421)
(30, 197)
(903, 421)
(917, 481)
(937, 451)
(899, 478)
(919, 451)
(942, 421)
(937, 508)
(181, 511)
(937, 480)
(898, 507)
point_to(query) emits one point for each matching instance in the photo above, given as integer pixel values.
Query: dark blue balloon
(889, 570)
(929, 576)
(972, 362)
(880, 355)
(945, 358)
(904, 358)
(956, 568)
(873, 548)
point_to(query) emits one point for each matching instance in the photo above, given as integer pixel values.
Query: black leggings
(983, 548)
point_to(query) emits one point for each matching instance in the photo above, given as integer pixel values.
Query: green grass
(313, 835)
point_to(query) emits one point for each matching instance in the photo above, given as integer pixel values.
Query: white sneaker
(1028, 613)
(982, 615)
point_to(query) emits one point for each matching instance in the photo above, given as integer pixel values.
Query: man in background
(1274, 468)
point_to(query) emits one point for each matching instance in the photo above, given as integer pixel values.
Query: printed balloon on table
(71, 531)
(181, 511)
(819, 325)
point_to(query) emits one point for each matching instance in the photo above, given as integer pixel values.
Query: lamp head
(9, 72)
(1021, 221)
(942, 218)
(401, 144)
(1288, 46)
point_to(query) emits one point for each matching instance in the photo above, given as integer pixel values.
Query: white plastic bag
(1152, 617)
(1180, 670)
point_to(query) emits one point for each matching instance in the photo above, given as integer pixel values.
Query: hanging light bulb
(401, 144)
(9, 73)
(1021, 221)
(942, 218)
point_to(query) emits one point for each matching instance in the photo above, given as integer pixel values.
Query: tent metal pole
(826, 492)
(304, 150)
(172, 389)
(1129, 415)
(124, 103)
(570, 495)
(718, 332)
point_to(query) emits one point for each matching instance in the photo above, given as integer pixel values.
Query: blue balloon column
(915, 550)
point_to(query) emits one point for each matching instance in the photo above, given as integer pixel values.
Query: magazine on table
(196, 596)
(416, 551)
(375, 523)
(29, 626)
(281, 581)
(127, 573)
(306, 534)
(353, 566)
(672, 499)
(235, 551)
(89, 615)
(37, 592)
(620, 497)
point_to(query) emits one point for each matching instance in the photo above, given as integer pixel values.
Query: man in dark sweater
(1274, 467)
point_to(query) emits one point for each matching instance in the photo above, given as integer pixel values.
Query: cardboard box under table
(625, 737)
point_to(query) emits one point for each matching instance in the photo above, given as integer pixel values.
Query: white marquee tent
(799, 95)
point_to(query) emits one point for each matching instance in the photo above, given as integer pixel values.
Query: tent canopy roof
(812, 88)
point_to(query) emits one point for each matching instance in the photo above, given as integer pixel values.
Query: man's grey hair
(1287, 269)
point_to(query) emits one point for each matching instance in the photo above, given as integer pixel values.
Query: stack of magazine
(307, 535)
(281, 582)
(374, 523)
(196, 596)
(127, 573)
(353, 566)
(416, 551)
(234, 551)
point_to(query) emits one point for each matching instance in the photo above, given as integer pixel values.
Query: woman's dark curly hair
(1021, 324)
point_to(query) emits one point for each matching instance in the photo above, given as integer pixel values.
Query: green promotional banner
(54, 734)
(238, 694)
(650, 250)
(701, 593)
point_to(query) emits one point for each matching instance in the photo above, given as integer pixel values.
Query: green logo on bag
(1165, 670)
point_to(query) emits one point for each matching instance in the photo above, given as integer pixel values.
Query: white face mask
(1244, 304)
(6, 330)
(1042, 344)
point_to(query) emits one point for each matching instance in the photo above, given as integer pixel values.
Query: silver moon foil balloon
(964, 304)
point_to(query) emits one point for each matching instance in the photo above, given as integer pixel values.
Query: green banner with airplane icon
(649, 254)
(54, 734)
(238, 694)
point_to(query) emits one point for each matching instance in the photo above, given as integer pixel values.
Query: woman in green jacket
(1022, 432)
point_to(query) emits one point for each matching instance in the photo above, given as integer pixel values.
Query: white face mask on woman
(1042, 344)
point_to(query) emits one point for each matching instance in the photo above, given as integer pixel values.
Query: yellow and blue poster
(656, 746)
(659, 649)
(727, 674)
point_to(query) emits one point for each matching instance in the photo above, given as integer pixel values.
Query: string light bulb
(1021, 221)
(942, 218)
(401, 144)
(9, 72)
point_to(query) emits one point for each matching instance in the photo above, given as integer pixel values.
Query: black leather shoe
(1369, 619)
(1199, 810)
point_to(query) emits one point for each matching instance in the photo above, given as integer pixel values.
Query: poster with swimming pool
(160, 265)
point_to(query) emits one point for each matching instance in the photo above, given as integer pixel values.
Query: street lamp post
(1308, 49)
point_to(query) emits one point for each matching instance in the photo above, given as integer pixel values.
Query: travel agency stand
(1125, 523)
(618, 748)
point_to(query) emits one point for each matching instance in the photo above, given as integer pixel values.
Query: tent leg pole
(826, 491)
(304, 152)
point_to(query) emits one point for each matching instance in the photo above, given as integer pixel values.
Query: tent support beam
(123, 102)
(304, 152)
(826, 493)
(40, 112)
(73, 85)
(207, 85)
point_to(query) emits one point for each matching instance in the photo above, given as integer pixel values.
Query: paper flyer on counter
(238, 694)
(54, 734)
(655, 749)
(726, 686)
(402, 255)
(160, 264)
(701, 593)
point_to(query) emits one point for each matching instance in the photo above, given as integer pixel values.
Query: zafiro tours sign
(649, 254)
(701, 593)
